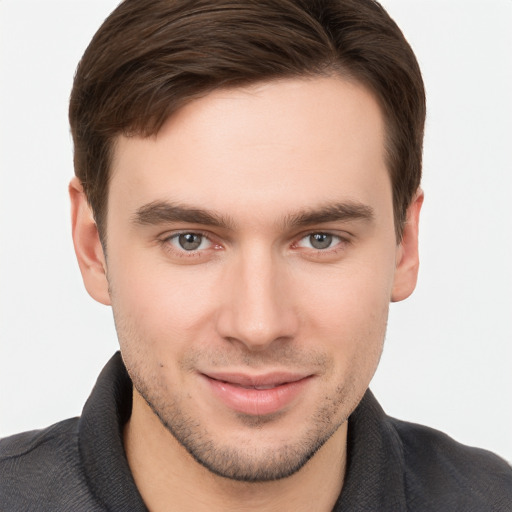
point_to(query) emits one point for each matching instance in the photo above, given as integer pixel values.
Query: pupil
(320, 240)
(190, 241)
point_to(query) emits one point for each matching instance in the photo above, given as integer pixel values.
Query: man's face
(251, 257)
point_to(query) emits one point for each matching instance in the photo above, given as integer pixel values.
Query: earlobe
(88, 248)
(407, 259)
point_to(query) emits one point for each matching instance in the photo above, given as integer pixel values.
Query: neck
(169, 479)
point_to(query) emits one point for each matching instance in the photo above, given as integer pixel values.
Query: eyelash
(308, 236)
(342, 243)
(167, 244)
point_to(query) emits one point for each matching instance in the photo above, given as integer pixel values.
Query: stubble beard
(241, 460)
(246, 463)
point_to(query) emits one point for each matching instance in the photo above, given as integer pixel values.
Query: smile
(257, 396)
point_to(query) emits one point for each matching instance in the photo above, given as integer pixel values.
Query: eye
(319, 241)
(189, 241)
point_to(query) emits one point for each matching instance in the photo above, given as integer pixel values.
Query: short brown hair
(150, 57)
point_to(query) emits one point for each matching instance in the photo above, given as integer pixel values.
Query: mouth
(257, 395)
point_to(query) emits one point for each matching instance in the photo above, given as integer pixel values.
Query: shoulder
(442, 474)
(42, 468)
(35, 442)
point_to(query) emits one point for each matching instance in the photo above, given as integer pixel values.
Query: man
(247, 199)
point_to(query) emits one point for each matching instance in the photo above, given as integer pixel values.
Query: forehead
(290, 142)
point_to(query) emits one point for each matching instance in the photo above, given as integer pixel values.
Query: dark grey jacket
(80, 465)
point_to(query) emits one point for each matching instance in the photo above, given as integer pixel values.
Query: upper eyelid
(334, 235)
(171, 234)
(343, 235)
(215, 236)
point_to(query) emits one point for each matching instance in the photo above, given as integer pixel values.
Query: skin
(270, 166)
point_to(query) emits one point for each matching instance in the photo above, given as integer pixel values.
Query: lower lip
(257, 402)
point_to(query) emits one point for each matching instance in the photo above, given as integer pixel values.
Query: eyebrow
(161, 212)
(336, 212)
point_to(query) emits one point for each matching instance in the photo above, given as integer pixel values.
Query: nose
(258, 306)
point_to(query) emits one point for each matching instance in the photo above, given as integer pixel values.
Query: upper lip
(267, 379)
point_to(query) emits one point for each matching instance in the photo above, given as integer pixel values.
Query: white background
(448, 355)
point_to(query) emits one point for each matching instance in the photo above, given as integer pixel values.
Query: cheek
(354, 295)
(350, 314)
(161, 304)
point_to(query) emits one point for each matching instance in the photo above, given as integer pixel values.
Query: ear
(407, 257)
(88, 249)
